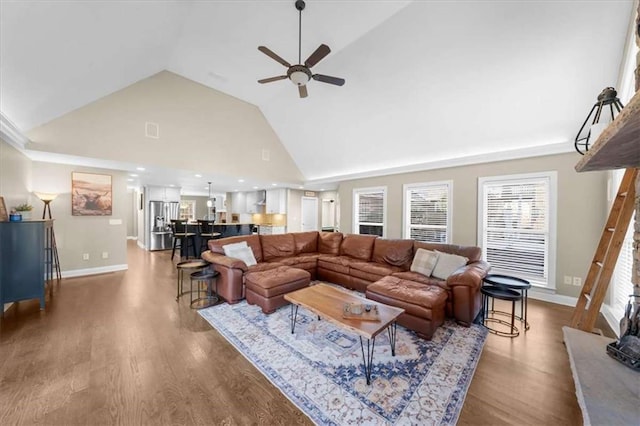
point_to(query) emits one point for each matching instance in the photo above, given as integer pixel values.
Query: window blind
(516, 227)
(623, 287)
(369, 215)
(428, 210)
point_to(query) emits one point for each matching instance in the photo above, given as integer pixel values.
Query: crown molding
(490, 157)
(11, 134)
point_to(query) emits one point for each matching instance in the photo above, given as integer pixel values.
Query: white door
(309, 214)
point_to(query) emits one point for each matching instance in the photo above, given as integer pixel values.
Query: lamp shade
(46, 196)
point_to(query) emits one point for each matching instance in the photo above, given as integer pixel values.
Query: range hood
(262, 198)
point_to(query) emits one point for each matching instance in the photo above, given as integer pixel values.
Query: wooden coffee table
(327, 302)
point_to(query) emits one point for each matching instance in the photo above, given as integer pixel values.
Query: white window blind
(516, 226)
(369, 211)
(622, 285)
(427, 212)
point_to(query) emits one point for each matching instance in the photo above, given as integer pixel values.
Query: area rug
(319, 368)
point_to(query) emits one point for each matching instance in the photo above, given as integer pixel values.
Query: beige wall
(15, 179)
(582, 206)
(76, 235)
(201, 129)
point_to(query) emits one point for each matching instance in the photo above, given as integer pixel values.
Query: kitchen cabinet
(277, 201)
(26, 261)
(161, 193)
(251, 202)
(221, 205)
(238, 202)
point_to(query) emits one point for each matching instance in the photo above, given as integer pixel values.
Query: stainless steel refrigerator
(160, 215)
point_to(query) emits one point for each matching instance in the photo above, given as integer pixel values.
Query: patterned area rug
(319, 368)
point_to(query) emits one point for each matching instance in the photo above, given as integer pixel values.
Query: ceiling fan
(300, 74)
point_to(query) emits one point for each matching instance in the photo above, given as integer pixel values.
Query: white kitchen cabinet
(220, 204)
(238, 202)
(162, 193)
(251, 202)
(277, 201)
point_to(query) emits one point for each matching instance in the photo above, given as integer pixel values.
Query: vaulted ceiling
(426, 81)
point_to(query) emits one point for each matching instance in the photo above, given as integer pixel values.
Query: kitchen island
(233, 229)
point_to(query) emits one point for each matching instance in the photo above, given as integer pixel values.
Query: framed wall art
(4, 216)
(91, 194)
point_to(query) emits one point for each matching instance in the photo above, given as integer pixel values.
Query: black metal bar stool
(496, 292)
(186, 238)
(208, 277)
(187, 265)
(207, 233)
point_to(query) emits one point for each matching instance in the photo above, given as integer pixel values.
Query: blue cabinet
(26, 260)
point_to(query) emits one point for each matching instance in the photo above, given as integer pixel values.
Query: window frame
(406, 207)
(356, 217)
(552, 215)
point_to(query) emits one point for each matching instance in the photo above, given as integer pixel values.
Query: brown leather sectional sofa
(353, 261)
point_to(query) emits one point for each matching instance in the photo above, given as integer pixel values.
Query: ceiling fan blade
(272, 55)
(270, 79)
(303, 91)
(328, 79)
(317, 56)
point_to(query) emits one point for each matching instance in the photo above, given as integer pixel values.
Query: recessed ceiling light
(133, 175)
(198, 176)
(240, 180)
(129, 180)
(274, 184)
(255, 187)
(301, 187)
(140, 168)
(321, 189)
(235, 190)
(206, 187)
(172, 185)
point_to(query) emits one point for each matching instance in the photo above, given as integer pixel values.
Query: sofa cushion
(393, 252)
(264, 266)
(470, 252)
(415, 298)
(358, 246)
(240, 251)
(447, 264)
(371, 271)
(424, 261)
(252, 240)
(329, 242)
(279, 245)
(306, 242)
(419, 278)
(335, 263)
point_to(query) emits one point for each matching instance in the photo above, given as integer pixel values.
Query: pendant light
(210, 200)
(609, 97)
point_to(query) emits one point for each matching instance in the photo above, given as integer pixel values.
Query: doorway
(309, 214)
(328, 215)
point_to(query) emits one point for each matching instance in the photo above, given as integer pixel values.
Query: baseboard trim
(611, 319)
(94, 271)
(132, 238)
(141, 245)
(558, 299)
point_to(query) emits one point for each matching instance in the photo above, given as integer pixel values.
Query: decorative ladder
(595, 285)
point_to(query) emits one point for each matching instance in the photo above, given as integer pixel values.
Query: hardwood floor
(118, 349)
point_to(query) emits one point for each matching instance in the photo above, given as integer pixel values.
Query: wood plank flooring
(118, 349)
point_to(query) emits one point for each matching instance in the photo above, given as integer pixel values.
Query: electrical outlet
(85, 256)
(567, 280)
(105, 254)
(577, 281)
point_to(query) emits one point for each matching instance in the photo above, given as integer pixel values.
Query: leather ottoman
(267, 288)
(423, 304)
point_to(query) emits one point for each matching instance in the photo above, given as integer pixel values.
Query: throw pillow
(447, 264)
(424, 261)
(240, 251)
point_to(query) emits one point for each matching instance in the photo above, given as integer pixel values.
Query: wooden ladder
(595, 285)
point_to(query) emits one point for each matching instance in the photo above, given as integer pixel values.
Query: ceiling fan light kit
(300, 74)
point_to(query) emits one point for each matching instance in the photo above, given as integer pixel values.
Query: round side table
(208, 277)
(495, 292)
(188, 265)
(516, 284)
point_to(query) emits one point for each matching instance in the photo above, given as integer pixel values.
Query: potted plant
(24, 210)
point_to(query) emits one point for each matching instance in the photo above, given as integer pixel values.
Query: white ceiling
(426, 81)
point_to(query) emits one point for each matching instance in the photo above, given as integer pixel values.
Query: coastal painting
(91, 194)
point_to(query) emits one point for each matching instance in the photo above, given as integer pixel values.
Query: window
(516, 225)
(188, 210)
(427, 211)
(369, 208)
